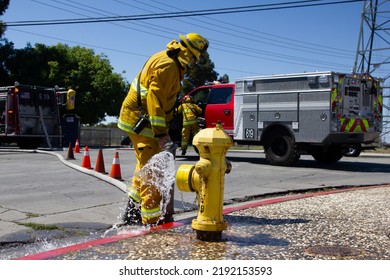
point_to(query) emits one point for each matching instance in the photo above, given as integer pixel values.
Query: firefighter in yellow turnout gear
(190, 112)
(152, 98)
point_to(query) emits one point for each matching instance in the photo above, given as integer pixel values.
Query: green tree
(198, 75)
(3, 6)
(6, 52)
(99, 91)
(224, 79)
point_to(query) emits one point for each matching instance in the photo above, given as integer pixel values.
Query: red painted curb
(91, 243)
(111, 239)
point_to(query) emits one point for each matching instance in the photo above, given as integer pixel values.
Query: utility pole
(373, 52)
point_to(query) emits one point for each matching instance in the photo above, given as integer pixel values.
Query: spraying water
(160, 172)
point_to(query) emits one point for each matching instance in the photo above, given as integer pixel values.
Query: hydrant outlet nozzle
(186, 179)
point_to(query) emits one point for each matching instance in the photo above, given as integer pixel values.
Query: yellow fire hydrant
(206, 178)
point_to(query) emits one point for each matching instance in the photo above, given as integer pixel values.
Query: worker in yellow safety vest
(145, 116)
(190, 112)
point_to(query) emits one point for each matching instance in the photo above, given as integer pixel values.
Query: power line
(242, 9)
(279, 39)
(85, 44)
(325, 50)
(230, 48)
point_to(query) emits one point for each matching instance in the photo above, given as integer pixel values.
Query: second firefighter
(190, 112)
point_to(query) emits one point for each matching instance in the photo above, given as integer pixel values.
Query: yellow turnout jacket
(190, 112)
(160, 82)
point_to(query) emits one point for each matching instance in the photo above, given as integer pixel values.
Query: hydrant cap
(212, 137)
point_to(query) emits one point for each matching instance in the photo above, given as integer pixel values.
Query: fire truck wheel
(330, 154)
(280, 149)
(28, 144)
(353, 151)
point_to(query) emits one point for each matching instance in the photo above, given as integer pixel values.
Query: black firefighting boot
(165, 219)
(132, 215)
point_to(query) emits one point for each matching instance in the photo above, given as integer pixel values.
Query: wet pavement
(336, 225)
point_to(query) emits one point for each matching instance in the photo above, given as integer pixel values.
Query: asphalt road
(45, 188)
(38, 174)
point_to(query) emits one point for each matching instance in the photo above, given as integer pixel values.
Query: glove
(171, 148)
(164, 140)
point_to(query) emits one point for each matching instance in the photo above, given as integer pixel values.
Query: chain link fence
(101, 137)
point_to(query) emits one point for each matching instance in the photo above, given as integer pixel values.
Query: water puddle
(17, 250)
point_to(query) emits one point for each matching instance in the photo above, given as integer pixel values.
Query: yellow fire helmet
(195, 43)
(188, 99)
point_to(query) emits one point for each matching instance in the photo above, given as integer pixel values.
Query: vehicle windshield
(220, 96)
(200, 96)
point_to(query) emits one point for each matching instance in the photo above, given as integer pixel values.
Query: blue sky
(243, 44)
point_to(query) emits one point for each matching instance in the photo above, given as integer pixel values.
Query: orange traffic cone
(70, 152)
(86, 163)
(116, 168)
(77, 146)
(99, 167)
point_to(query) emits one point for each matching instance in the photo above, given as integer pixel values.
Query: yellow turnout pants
(186, 133)
(144, 191)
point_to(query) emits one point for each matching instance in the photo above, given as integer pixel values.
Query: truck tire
(330, 154)
(280, 149)
(28, 144)
(353, 151)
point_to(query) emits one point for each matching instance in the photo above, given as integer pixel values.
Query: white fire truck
(318, 113)
(29, 115)
(324, 114)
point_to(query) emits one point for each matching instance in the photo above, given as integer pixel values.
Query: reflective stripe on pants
(149, 195)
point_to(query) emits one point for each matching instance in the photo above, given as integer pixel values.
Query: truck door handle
(227, 112)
